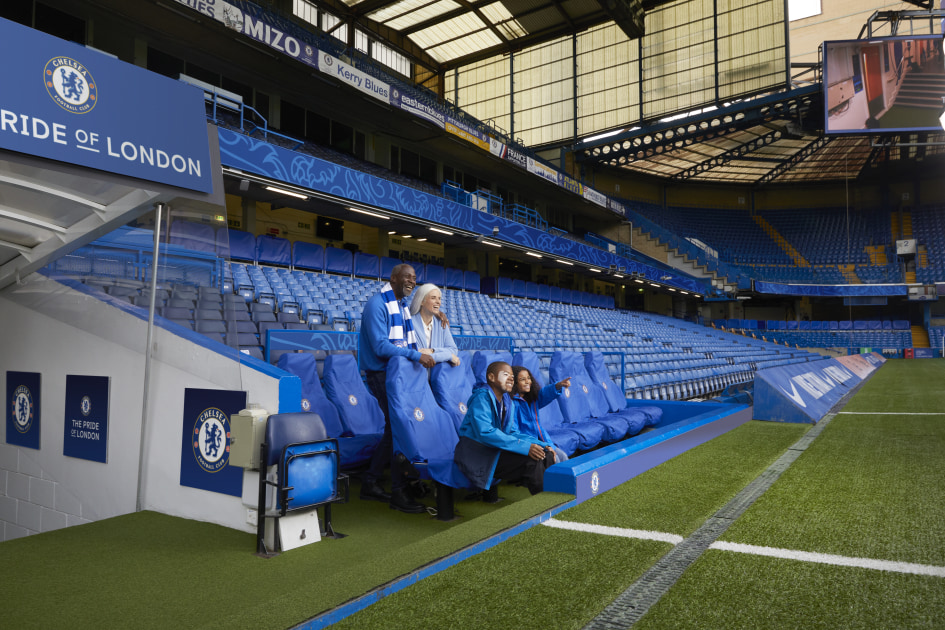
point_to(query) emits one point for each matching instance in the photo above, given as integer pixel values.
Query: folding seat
(359, 411)
(204, 326)
(181, 303)
(186, 323)
(254, 351)
(240, 326)
(206, 313)
(481, 361)
(236, 315)
(286, 318)
(356, 450)
(423, 432)
(301, 464)
(240, 340)
(264, 316)
(172, 312)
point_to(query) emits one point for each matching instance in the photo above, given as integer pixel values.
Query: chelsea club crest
(85, 405)
(22, 408)
(211, 440)
(595, 483)
(418, 414)
(70, 85)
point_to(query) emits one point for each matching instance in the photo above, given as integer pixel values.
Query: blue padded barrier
(554, 294)
(845, 325)
(901, 324)
(272, 250)
(355, 449)
(504, 285)
(517, 289)
(422, 431)
(359, 410)
(452, 386)
(454, 278)
(308, 256)
(434, 274)
(531, 290)
(242, 245)
(471, 281)
(387, 266)
(338, 260)
(366, 265)
(544, 292)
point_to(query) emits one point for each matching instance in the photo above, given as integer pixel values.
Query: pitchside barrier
(805, 392)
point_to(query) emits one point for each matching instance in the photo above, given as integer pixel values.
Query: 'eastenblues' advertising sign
(68, 103)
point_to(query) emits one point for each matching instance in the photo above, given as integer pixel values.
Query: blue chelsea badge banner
(205, 446)
(85, 434)
(23, 419)
(69, 103)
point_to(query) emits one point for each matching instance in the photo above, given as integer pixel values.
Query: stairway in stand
(849, 274)
(920, 337)
(782, 242)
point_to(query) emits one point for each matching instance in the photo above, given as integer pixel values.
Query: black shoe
(400, 500)
(374, 492)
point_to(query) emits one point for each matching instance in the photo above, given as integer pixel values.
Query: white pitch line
(826, 558)
(891, 413)
(771, 552)
(614, 531)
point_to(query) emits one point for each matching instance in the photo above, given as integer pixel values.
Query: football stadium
(472, 314)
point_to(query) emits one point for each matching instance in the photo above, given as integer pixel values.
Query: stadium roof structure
(776, 138)
(457, 32)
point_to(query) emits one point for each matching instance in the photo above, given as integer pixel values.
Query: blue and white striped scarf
(401, 329)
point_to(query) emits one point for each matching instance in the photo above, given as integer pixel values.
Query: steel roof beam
(733, 154)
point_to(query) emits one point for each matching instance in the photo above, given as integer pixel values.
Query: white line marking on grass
(826, 558)
(891, 413)
(614, 531)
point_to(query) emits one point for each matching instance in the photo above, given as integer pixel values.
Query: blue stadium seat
(356, 450)
(452, 386)
(306, 472)
(359, 411)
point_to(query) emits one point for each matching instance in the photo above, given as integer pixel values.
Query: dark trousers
(514, 467)
(377, 384)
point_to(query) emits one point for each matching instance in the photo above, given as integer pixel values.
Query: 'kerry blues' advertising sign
(69, 103)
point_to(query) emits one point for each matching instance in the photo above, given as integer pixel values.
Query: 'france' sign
(68, 103)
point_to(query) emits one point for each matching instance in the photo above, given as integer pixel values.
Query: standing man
(386, 332)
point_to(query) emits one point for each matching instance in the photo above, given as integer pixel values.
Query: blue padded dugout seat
(301, 463)
(481, 361)
(366, 265)
(576, 401)
(452, 386)
(569, 439)
(422, 431)
(356, 450)
(242, 245)
(359, 411)
(639, 416)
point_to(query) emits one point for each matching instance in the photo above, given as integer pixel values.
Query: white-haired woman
(432, 337)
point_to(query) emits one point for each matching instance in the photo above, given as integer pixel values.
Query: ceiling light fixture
(533, 254)
(283, 191)
(491, 243)
(448, 233)
(369, 213)
(564, 262)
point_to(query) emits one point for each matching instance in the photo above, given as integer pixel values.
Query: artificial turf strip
(544, 577)
(737, 591)
(149, 570)
(870, 486)
(679, 495)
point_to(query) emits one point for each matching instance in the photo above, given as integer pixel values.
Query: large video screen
(884, 85)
